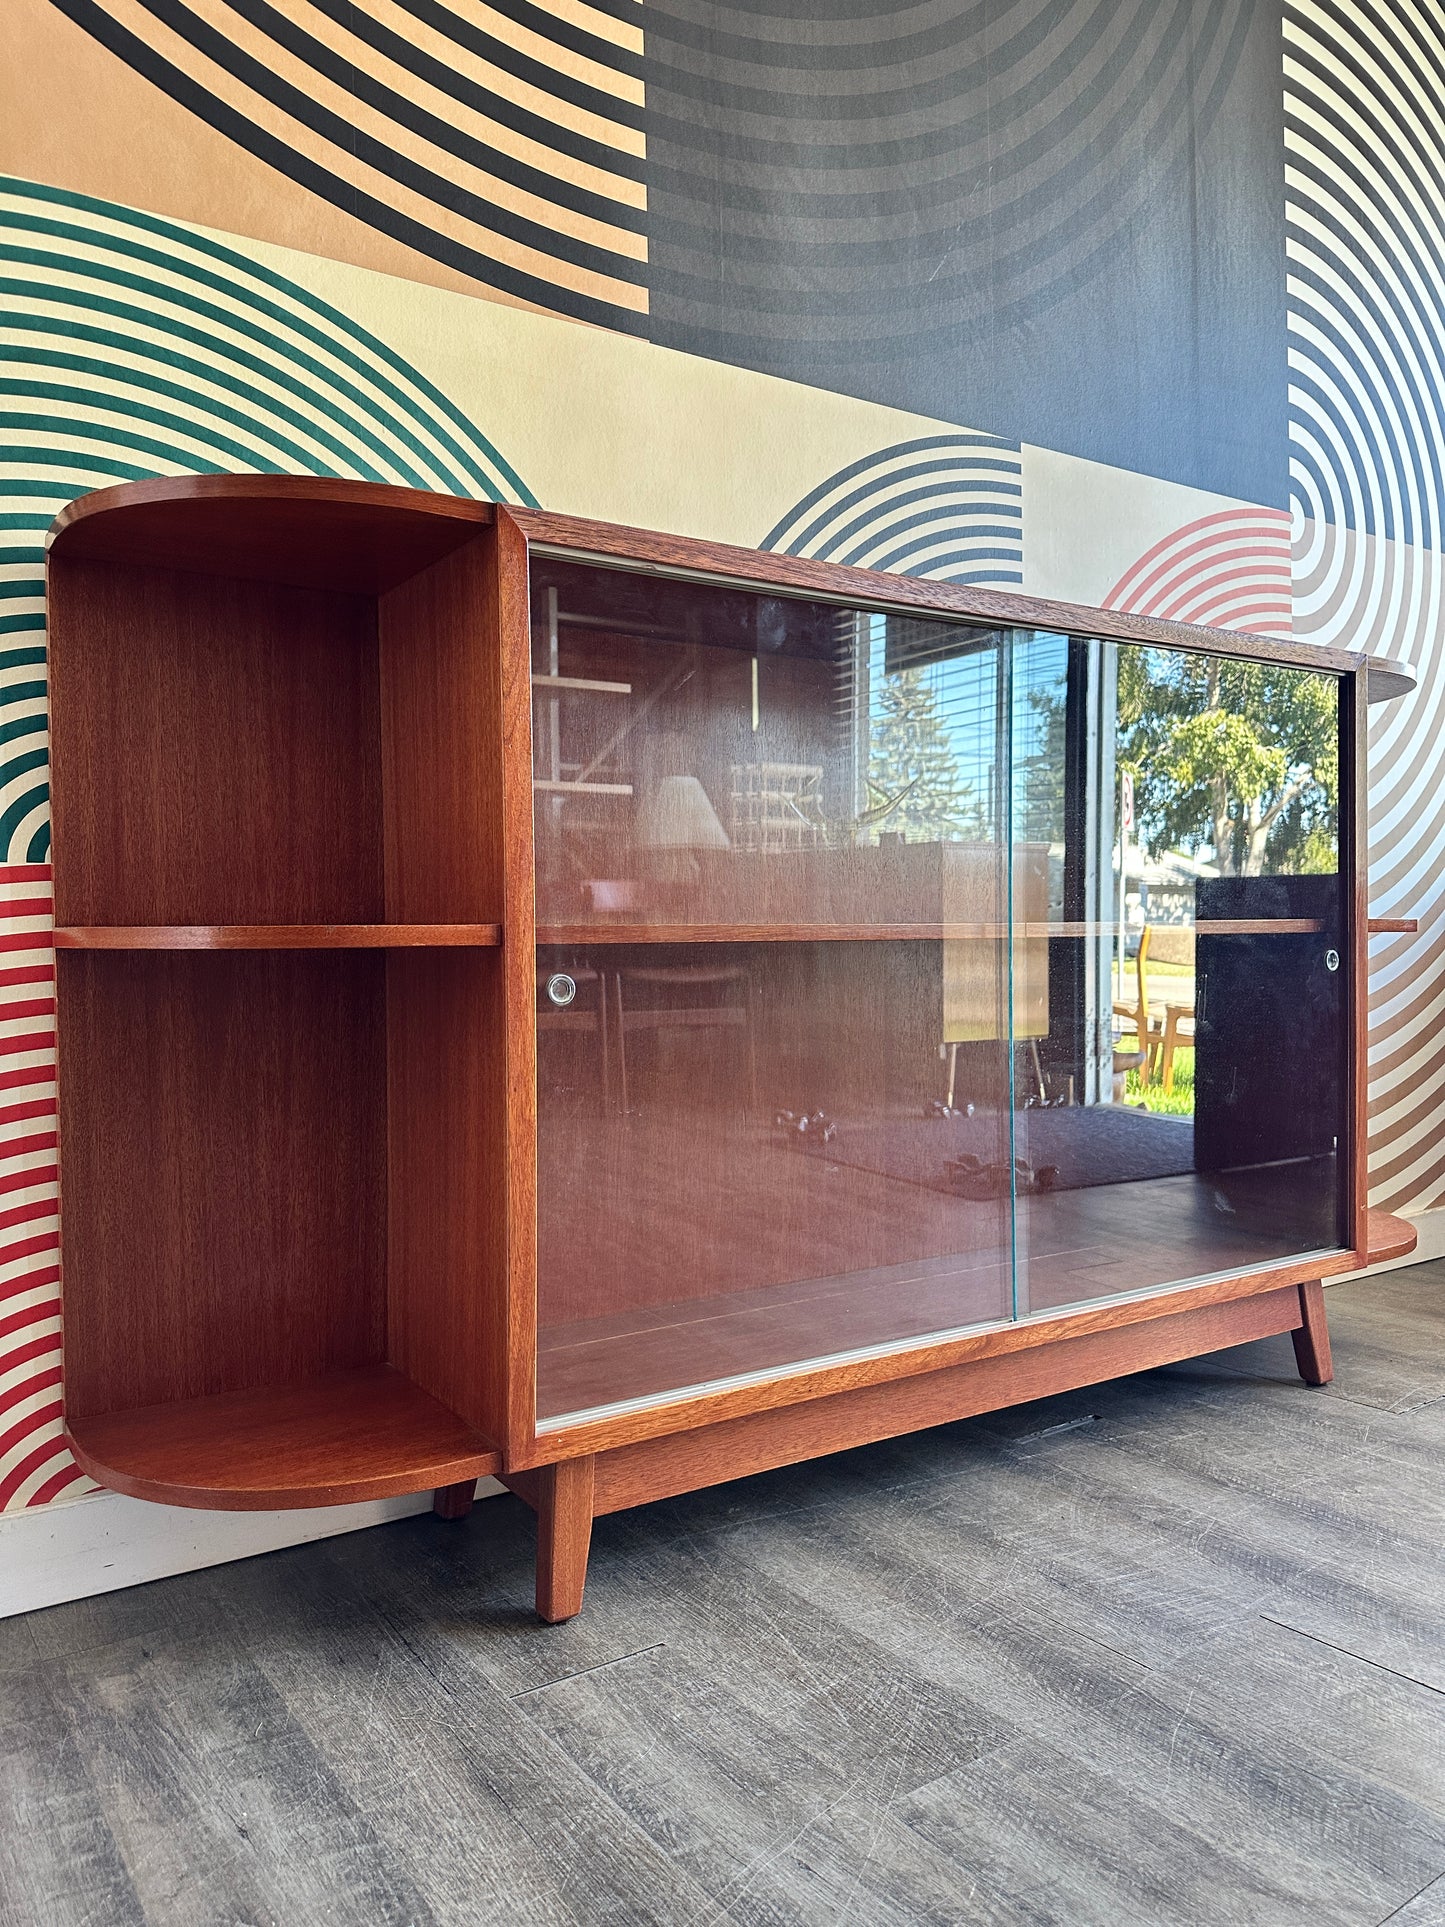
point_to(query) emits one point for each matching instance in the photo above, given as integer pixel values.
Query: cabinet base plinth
(567, 1496)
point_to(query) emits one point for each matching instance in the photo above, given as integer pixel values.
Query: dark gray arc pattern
(949, 507)
(843, 186)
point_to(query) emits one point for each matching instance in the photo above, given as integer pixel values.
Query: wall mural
(1364, 114)
(1229, 570)
(506, 143)
(1063, 294)
(946, 506)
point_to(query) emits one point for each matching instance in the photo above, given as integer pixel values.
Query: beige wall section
(1086, 523)
(74, 116)
(602, 424)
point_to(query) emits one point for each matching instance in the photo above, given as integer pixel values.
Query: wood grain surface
(565, 1506)
(865, 588)
(446, 1203)
(441, 744)
(1312, 1337)
(660, 1468)
(661, 1417)
(307, 531)
(605, 930)
(507, 642)
(276, 936)
(214, 750)
(356, 1435)
(223, 1117)
(1389, 1237)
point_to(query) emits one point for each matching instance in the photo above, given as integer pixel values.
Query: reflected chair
(590, 1015)
(686, 1003)
(1161, 1024)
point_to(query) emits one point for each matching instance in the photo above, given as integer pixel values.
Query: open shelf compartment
(280, 994)
(278, 936)
(363, 1434)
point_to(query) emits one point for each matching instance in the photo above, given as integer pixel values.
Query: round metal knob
(1332, 960)
(561, 989)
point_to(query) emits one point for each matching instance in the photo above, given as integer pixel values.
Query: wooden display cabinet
(619, 1013)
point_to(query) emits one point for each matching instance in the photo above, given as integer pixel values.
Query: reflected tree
(916, 784)
(1243, 756)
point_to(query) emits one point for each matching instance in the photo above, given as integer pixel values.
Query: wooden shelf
(309, 531)
(364, 1434)
(577, 933)
(1390, 1237)
(278, 936)
(570, 933)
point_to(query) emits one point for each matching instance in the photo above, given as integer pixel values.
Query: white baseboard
(103, 1541)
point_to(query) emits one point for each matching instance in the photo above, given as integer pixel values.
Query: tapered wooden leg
(1312, 1338)
(564, 1536)
(454, 1501)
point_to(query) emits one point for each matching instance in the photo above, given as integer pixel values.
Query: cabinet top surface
(308, 532)
(327, 532)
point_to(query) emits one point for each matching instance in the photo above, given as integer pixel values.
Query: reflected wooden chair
(1161, 1024)
(590, 1015)
(687, 1006)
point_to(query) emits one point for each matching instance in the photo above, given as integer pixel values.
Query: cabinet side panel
(442, 778)
(510, 640)
(214, 750)
(446, 1221)
(441, 745)
(222, 1122)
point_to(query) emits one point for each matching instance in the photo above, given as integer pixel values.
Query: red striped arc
(1228, 570)
(35, 1467)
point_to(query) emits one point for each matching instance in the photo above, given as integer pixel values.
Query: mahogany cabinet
(619, 1013)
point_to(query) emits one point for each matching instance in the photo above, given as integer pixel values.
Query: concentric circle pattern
(131, 347)
(501, 138)
(945, 506)
(1365, 142)
(899, 173)
(1230, 570)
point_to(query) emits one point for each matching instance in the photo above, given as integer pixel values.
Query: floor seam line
(1410, 1900)
(585, 1672)
(1363, 1658)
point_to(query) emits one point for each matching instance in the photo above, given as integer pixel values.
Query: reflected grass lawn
(1178, 1102)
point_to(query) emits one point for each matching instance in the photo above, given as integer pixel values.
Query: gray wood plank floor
(1170, 1650)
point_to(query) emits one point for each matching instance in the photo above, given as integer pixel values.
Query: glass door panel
(772, 980)
(1180, 1083)
(896, 976)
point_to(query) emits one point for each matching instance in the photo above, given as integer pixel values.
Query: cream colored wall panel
(605, 425)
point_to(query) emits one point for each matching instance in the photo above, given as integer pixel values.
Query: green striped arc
(206, 287)
(131, 346)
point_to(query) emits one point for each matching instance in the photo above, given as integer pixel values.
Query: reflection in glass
(923, 974)
(1187, 1104)
(754, 819)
